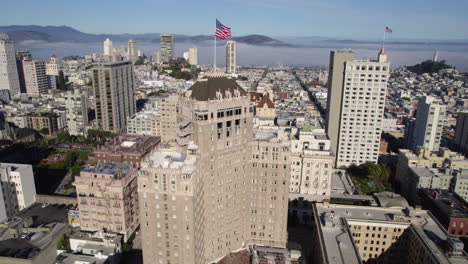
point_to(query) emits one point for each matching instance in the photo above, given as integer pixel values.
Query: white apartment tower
(355, 106)
(108, 48)
(132, 51)
(193, 56)
(9, 79)
(167, 47)
(35, 77)
(429, 124)
(231, 57)
(77, 112)
(213, 196)
(17, 189)
(114, 94)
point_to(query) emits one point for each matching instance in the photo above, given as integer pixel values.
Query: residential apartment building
(130, 149)
(132, 51)
(461, 132)
(108, 48)
(53, 66)
(76, 105)
(20, 57)
(231, 57)
(429, 124)
(396, 234)
(168, 105)
(212, 195)
(311, 164)
(193, 56)
(355, 106)
(107, 198)
(18, 189)
(39, 121)
(8, 72)
(145, 123)
(35, 78)
(114, 94)
(167, 47)
(460, 183)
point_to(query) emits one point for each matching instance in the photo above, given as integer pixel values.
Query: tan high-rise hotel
(214, 194)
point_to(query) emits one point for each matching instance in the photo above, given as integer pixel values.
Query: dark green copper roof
(204, 90)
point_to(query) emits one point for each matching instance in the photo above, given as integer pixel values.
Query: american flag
(222, 31)
(388, 30)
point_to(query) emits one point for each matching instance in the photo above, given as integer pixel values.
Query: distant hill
(69, 34)
(429, 66)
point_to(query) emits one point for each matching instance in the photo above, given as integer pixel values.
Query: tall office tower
(167, 47)
(209, 197)
(429, 124)
(193, 56)
(461, 132)
(355, 106)
(8, 72)
(114, 94)
(35, 77)
(77, 112)
(132, 51)
(108, 48)
(20, 57)
(17, 189)
(107, 198)
(231, 57)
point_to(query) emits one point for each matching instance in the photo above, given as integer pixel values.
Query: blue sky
(357, 19)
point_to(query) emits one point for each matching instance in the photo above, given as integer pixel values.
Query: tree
(44, 131)
(62, 82)
(64, 243)
(429, 66)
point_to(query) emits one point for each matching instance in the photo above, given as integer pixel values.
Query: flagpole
(384, 34)
(214, 62)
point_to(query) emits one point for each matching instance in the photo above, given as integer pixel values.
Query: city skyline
(337, 18)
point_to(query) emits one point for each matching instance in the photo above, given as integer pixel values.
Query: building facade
(167, 47)
(114, 95)
(212, 195)
(132, 51)
(18, 189)
(20, 56)
(8, 72)
(76, 105)
(461, 132)
(108, 48)
(429, 124)
(39, 121)
(107, 198)
(193, 56)
(35, 77)
(231, 57)
(355, 129)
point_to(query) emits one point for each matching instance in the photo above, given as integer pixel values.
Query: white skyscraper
(231, 57)
(193, 56)
(429, 124)
(355, 107)
(132, 51)
(108, 48)
(8, 72)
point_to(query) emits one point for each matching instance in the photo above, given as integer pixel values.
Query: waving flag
(388, 30)
(222, 31)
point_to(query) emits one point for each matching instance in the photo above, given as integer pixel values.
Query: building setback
(114, 95)
(107, 198)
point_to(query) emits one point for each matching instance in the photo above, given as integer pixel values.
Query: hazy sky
(417, 19)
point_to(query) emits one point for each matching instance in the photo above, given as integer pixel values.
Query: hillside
(68, 34)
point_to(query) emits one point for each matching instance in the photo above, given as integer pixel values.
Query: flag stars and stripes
(222, 31)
